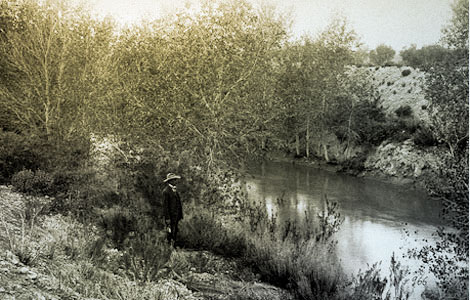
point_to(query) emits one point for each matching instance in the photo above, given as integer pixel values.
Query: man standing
(172, 208)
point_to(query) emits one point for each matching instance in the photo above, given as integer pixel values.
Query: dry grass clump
(298, 257)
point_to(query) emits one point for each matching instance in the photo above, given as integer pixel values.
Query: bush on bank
(299, 257)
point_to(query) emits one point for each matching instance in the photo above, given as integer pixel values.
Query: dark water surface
(376, 214)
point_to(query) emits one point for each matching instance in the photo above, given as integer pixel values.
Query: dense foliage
(447, 91)
(424, 57)
(381, 55)
(222, 82)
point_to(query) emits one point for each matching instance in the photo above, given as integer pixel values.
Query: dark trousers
(173, 231)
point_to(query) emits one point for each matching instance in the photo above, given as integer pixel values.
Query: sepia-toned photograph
(234, 150)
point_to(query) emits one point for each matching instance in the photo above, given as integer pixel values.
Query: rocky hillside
(402, 162)
(401, 87)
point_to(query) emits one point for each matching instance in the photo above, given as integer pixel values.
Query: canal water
(379, 218)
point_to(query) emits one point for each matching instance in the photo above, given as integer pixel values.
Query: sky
(397, 23)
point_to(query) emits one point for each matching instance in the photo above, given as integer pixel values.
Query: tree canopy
(381, 55)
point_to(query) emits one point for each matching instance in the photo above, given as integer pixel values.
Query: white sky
(398, 23)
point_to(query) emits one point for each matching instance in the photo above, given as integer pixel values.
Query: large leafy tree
(447, 92)
(50, 61)
(381, 55)
(311, 72)
(455, 34)
(424, 57)
(200, 81)
(447, 84)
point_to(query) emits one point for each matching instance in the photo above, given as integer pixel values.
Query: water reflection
(375, 213)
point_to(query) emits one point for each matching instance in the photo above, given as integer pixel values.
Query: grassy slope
(59, 267)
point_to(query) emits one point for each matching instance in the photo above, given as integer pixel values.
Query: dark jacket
(172, 208)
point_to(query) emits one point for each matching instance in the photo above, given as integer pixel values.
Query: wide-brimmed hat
(171, 176)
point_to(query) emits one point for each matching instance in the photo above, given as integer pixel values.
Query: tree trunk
(347, 151)
(325, 151)
(307, 137)
(297, 144)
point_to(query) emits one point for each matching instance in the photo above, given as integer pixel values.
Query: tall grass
(293, 255)
(297, 256)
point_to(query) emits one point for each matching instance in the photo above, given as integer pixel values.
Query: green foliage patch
(405, 72)
(404, 111)
(17, 152)
(34, 183)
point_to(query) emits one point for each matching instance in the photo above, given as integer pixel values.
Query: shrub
(65, 236)
(368, 284)
(210, 185)
(17, 152)
(96, 283)
(370, 123)
(118, 222)
(202, 230)
(145, 255)
(424, 137)
(450, 186)
(404, 111)
(144, 247)
(354, 165)
(406, 72)
(400, 284)
(389, 83)
(299, 257)
(23, 241)
(33, 183)
(62, 163)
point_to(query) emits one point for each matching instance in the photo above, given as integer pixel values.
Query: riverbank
(56, 257)
(403, 151)
(385, 170)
